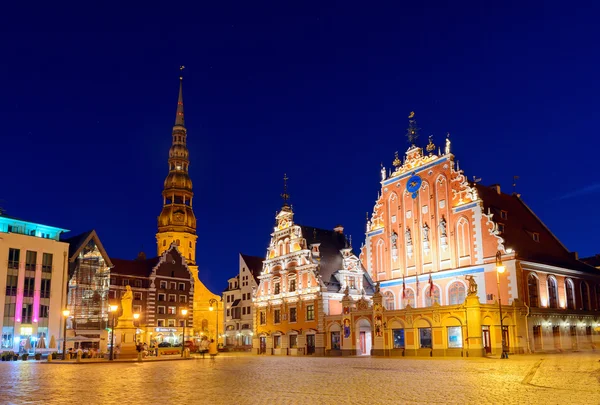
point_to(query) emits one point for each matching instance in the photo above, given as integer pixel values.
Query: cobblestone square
(243, 379)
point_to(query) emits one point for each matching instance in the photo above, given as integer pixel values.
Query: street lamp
(184, 313)
(212, 302)
(500, 268)
(113, 309)
(66, 314)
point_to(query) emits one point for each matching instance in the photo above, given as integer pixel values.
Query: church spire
(179, 119)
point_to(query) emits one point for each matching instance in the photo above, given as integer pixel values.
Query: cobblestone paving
(548, 379)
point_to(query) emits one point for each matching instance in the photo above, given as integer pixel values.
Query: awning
(236, 303)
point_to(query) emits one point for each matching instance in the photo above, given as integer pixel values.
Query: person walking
(203, 346)
(212, 349)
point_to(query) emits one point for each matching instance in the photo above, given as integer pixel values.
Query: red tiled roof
(520, 225)
(139, 268)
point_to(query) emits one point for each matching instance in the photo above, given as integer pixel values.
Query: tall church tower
(177, 222)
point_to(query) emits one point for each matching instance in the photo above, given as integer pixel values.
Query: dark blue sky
(88, 99)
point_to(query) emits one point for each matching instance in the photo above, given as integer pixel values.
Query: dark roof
(78, 242)
(519, 226)
(331, 243)
(255, 265)
(592, 260)
(136, 267)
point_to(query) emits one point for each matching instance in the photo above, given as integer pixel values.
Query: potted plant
(25, 356)
(38, 356)
(54, 355)
(15, 357)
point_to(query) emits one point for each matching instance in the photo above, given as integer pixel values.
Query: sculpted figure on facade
(443, 228)
(472, 285)
(408, 237)
(127, 303)
(425, 233)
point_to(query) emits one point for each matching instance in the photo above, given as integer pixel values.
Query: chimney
(496, 187)
(339, 229)
(575, 255)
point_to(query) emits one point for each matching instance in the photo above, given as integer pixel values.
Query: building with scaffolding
(88, 286)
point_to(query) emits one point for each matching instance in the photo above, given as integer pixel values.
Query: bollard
(50, 358)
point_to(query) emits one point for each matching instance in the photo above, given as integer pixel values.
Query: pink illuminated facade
(32, 283)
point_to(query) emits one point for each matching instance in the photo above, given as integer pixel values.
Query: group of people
(209, 347)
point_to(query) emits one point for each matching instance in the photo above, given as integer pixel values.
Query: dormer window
(535, 236)
(501, 228)
(503, 214)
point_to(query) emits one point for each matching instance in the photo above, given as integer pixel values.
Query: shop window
(277, 341)
(293, 341)
(425, 338)
(454, 337)
(398, 336)
(335, 341)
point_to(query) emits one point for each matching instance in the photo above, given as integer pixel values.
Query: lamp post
(212, 302)
(184, 313)
(500, 268)
(66, 314)
(113, 309)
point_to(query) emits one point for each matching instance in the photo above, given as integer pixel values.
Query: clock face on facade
(413, 184)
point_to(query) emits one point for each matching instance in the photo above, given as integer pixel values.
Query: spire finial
(179, 120)
(412, 132)
(285, 194)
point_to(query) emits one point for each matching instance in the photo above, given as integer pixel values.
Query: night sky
(322, 93)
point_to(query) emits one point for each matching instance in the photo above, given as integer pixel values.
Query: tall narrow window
(552, 293)
(570, 294)
(28, 287)
(14, 256)
(45, 288)
(47, 262)
(30, 260)
(310, 312)
(456, 293)
(533, 289)
(292, 285)
(585, 296)
(463, 238)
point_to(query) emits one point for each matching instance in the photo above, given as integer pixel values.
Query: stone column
(474, 340)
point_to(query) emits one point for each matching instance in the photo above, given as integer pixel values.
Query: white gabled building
(237, 303)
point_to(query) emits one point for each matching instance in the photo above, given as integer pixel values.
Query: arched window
(585, 296)
(409, 297)
(533, 289)
(552, 293)
(456, 293)
(388, 301)
(280, 245)
(570, 289)
(431, 297)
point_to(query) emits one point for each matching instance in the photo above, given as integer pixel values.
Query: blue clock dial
(413, 184)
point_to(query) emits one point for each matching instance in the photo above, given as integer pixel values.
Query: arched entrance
(363, 337)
